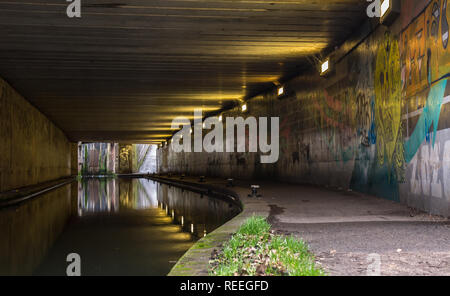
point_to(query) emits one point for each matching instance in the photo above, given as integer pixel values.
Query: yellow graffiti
(125, 157)
(388, 102)
(423, 47)
(437, 41)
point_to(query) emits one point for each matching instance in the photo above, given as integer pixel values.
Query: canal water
(116, 226)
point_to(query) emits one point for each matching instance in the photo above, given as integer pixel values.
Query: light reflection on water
(132, 227)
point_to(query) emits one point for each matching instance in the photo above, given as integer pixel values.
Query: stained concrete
(33, 150)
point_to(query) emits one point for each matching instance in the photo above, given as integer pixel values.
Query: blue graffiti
(430, 116)
(372, 132)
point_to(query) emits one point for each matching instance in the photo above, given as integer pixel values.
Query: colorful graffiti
(437, 41)
(382, 125)
(388, 104)
(97, 159)
(125, 158)
(365, 120)
(424, 55)
(426, 40)
(430, 171)
(429, 118)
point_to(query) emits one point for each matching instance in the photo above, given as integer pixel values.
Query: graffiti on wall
(429, 171)
(424, 55)
(429, 118)
(97, 159)
(425, 65)
(382, 123)
(125, 158)
(388, 105)
(335, 118)
(425, 70)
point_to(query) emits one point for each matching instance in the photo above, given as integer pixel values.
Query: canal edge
(195, 262)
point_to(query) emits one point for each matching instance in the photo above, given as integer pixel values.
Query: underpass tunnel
(342, 96)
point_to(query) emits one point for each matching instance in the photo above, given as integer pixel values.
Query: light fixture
(326, 67)
(192, 228)
(390, 10)
(191, 130)
(384, 7)
(204, 124)
(220, 118)
(281, 91)
(244, 107)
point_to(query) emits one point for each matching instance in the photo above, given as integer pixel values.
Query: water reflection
(195, 213)
(117, 226)
(131, 227)
(109, 195)
(28, 230)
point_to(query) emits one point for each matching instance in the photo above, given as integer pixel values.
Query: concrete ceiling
(126, 68)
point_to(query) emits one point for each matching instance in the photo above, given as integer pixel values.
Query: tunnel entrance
(109, 159)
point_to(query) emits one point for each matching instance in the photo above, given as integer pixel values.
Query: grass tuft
(255, 250)
(253, 226)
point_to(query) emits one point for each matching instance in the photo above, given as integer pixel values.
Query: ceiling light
(325, 67)
(384, 7)
(280, 91)
(244, 107)
(390, 10)
(220, 118)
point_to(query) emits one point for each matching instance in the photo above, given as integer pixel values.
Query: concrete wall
(146, 154)
(32, 149)
(379, 125)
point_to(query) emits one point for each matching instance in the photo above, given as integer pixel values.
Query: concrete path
(343, 228)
